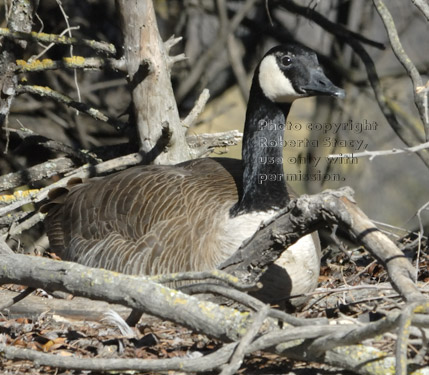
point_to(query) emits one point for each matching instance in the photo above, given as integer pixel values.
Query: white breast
(295, 272)
(241, 228)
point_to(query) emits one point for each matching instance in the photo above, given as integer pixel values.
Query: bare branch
(107, 48)
(26, 292)
(85, 171)
(75, 62)
(407, 316)
(189, 120)
(137, 292)
(148, 71)
(36, 173)
(206, 363)
(224, 277)
(423, 6)
(241, 349)
(20, 20)
(398, 50)
(233, 51)
(373, 154)
(50, 144)
(82, 107)
(301, 217)
(335, 28)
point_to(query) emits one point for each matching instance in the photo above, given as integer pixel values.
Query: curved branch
(419, 97)
(309, 213)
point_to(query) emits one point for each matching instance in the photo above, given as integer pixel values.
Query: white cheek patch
(274, 83)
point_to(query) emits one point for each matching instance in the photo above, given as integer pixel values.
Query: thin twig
(233, 51)
(333, 27)
(49, 46)
(420, 236)
(251, 302)
(354, 335)
(373, 154)
(31, 137)
(198, 108)
(66, 19)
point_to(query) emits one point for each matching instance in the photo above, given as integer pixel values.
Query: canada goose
(192, 216)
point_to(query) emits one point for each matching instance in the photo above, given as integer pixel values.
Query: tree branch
(36, 173)
(423, 6)
(309, 213)
(75, 62)
(373, 154)
(85, 171)
(107, 48)
(419, 97)
(206, 363)
(82, 107)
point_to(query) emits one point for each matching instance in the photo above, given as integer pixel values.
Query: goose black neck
(264, 185)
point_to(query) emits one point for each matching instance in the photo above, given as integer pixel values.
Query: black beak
(319, 84)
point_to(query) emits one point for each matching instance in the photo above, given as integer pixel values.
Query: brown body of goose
(192, 216)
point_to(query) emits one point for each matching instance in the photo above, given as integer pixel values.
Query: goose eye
(286, 60)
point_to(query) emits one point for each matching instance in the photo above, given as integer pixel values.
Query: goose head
(292, 71)
(285, 73)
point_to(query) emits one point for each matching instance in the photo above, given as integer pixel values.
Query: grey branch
(189, 120)
(307, 214)
(241, 349)
(75, 62)
(108, 48)
(302, 216)
(398, 50)
(85, 171)
(61, 98)
(206, 363)
(423, 6)
(36, 173)
(373, 154)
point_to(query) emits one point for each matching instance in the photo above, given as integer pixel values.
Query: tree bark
(21, 19)
(154, 110)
